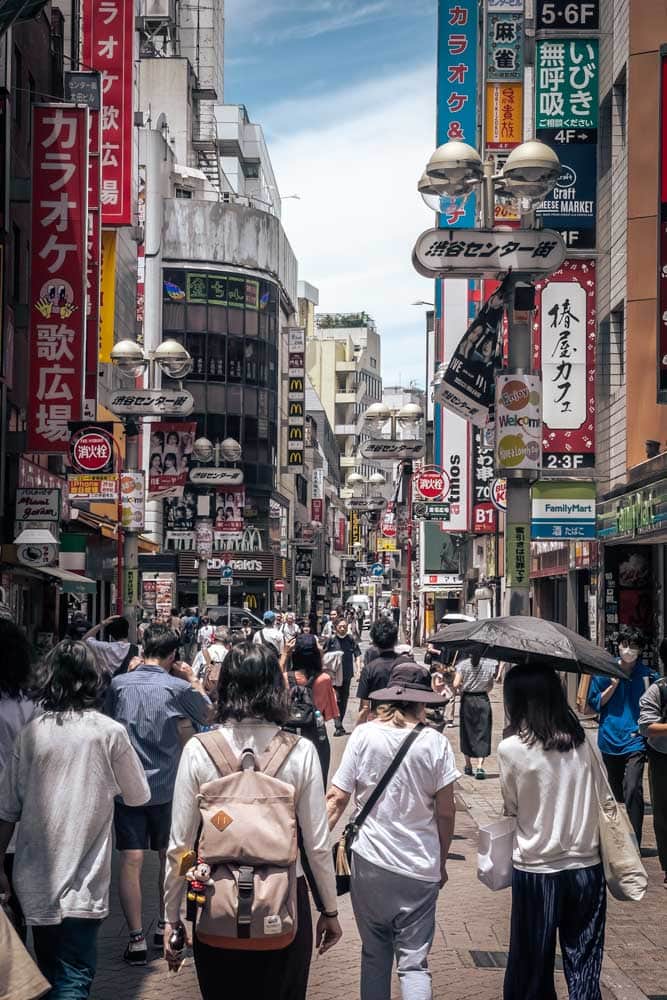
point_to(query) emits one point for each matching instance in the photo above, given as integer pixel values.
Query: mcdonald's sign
(296, 396)
(250, 601)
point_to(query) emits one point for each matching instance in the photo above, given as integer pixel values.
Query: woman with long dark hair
(252, 707)
(307, 672)
(548, 783)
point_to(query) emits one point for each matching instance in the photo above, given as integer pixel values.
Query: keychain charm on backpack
(200, 884)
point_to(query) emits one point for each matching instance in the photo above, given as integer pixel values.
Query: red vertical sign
(108, 44)
(58, 279)
(662, 245)
(94, 259)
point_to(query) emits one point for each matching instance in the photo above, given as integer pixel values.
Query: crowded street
(333, 499)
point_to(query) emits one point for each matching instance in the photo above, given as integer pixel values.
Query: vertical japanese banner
(662, 245)
(58, 278)
(564, 332)
(484, 513)
(108, 46)
(317, 497)
(566, 117)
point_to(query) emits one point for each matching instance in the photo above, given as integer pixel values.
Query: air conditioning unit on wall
(159, 10)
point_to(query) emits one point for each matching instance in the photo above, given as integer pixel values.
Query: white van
(362, 601)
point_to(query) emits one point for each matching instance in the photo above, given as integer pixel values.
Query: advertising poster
(469, 384)
(564, 333)
(504, 115)
(518, 423)
(180, 512)
(504, 47)
(133, 497)
(484, 512)
(148, 594)
(108, 46)
(629, 587)
(170, 455)
(303, 562)
(570, 207)
(441, 554)
(93, 487)
(58, 274)
(164, 598)
(457, 91)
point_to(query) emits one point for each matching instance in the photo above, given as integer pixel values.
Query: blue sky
(345, 92)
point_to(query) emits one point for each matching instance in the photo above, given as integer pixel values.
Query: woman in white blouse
(252, 705)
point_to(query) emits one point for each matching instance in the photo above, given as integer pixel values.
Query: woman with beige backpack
(248, 795)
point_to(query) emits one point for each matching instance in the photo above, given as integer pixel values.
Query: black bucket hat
(409, 682)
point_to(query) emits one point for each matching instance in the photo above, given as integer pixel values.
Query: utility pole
(131, 539)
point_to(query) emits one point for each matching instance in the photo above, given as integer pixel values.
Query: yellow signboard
(504, 115)
(386, 545)
(107, 294)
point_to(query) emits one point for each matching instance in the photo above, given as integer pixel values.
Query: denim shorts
(142, 828)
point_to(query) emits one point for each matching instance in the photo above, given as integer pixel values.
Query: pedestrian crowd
(209, 746)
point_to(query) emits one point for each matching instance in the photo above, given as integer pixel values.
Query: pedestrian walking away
(621, 743)
(65, 769)
(399, 856)
(117, 652)
(152, 702)
(474, 680)
(653, 727)
(252, 705)
(548, 783)
(270, 636)
(311, 692)
(379, 660)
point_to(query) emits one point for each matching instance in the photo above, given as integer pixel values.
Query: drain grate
(498, 960)
(657, 996)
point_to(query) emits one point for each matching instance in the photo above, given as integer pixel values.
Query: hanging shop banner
(662, 245)
(566, 84)
(317, 497)
(564, 351)
(504, 115)
(133, 500)
(91, 446)
(458, 25)
(108, 47)
(86, 88)
(469, 383)
(567, 15)
(454, 451)
(303, 562)
(37, 505)
(103, 488)
(180, 513)
(517, 556)
(58, 275)
(341, 530)
(229, 517)
(484, 512)
(563, 510)
(518, 423)
(504, 47)
(107, 295)
(296, 397)
(570, 207)
(170, 455)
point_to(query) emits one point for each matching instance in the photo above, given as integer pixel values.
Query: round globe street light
(457, 163)
(410, 415)
(129, 358)
(203, 450)
(354, 479)
(531, 170)
(173, 359)
(231, 450)
(376, 416)
(432, 191)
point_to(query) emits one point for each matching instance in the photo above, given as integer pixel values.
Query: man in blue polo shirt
(151, 702)
(621, 744)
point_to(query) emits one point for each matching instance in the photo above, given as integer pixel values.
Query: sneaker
(340, 732)
(481, 774)
(468, 770)
(136, 952)
(158, 936)
(450, 725)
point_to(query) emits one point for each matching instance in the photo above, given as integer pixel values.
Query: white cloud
(304, 19)
(354, 158)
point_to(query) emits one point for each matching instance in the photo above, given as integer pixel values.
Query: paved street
(472, 930)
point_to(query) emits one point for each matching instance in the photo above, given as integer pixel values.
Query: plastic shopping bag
(494, 857)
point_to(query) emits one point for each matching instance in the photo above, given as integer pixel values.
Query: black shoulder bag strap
(375, 795)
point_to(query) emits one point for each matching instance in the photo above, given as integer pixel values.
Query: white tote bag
(332, 664)
(494, 856)
(625, 874)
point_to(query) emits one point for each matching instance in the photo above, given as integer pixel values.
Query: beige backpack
(249, 838)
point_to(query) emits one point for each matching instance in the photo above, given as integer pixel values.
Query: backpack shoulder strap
(218, 749)
(276, 753)
(291, 678)
(207, 656)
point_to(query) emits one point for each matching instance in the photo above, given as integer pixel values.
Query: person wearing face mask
(621, 744)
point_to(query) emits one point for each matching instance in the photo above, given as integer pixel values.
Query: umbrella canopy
(522, 639)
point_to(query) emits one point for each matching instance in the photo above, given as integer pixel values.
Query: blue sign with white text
(570, 208)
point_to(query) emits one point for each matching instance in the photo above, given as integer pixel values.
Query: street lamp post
(171, 359)
(530, 172)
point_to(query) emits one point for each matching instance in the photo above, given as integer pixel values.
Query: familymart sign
(563, 511)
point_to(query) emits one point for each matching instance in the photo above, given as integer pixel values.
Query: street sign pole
(229, 603)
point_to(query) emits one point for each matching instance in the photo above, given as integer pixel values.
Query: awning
(108, 529)
(70, 583)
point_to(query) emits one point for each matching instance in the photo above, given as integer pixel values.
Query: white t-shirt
(301, 769)
(554, 800)
(217, 653)
(60, 782)
(205, 636)
(273, 636)
(401, 832)
(15, 713)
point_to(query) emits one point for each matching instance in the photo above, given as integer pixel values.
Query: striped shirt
(475, 680)
(149, 702)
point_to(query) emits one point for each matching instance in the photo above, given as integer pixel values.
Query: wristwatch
(330, 916)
